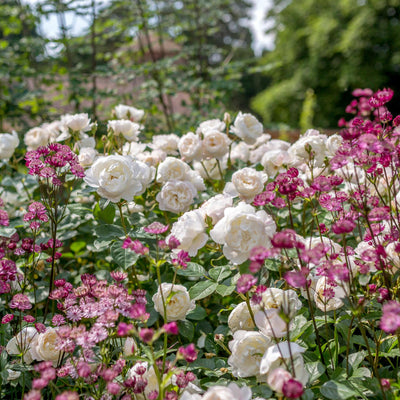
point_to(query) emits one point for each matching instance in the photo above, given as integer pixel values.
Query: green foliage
(331, 47)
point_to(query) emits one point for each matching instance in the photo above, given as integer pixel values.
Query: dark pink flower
(146, 334)
(156, 228)
(21, 302)
(292, 389)
(245, 283)
(7, 318)
(171, 328)
(189, 352)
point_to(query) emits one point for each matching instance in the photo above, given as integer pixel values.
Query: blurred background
(293, 64)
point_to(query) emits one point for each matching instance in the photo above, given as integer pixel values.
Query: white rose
(126, 112)
(190, 147)
(22, 343)
(134, 208)
(12, 375)
(393, 256)
(176, 196)
(172, 169)
(128, 129)
(86, 156)
(134, 149)
(45, 348)
(247, 127)
(279, 355)
(77, 122)
(241, 229)
(150, 376)
(8, 144)
(152, 158)
(86, 141)
(258, 152)
(215, 206)
(166, 143)
(240, 318)
(36, 137)
(190, 231)
(240, 151)
(209, 168)
(249, 182)
(247, 350)
(177, 306)
(332, 144)
(328, 303)
(313, 142)
(211, 125)
(230, 392)
(115, 177)
(274, 161)
(215, 144)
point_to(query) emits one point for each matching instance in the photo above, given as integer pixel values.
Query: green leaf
(220, 273)
(6, 231)
(109, 231)
(315, 369)
(334, 390)
(197, 314)
(223, 290)
(77, 246)
(106, 215)
(123, 257)
(193, 270)
(186, 329)
(202, 289)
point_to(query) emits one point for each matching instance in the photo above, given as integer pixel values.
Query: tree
(331, 47)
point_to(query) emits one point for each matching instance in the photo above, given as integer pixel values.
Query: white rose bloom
(8, 144)
(215, 144)
(364, 246)
(86, 141)
(150, 376)
(311, 140)
(247, 350)
(240, 151)
(275, 356)
(240, 318)
(257, 153)
(263, 139)
(152, 158)
(78, 122)
(274, 161)
(311, 242)
(274, 301)
(134, 149)
(44, 349)
(241, 229)
(87, 156)
(177, 306)
(215, 206)
(190, 231)
(230, 392)
(247, 127)
(211, 125)
(212, 168)
(197, 181)
(36, 137)
(327, 303)
(190, 147)
(176, 196)
(249, 182)
(166, 143)
(12, 375)
(393, 256)
(332, 144)
(23, 343)
(172, 169)
(128, 129)
(116, 177)
(126, 112)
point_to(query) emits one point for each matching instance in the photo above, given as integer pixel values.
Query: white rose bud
(241, 229)
(128, 129)
(116, 177)
(122, 111)
(77, 122)
(247, 350)
(8, 144)
(86, 156)
(177, 306)
(247, 127)
(176, 196)
(215, 144)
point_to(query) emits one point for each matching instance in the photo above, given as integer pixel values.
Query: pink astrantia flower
(245, 283)
(21, 302)
(156, 228)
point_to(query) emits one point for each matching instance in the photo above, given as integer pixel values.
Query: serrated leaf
(186, 329)
(315, 369)
(109, 231)
(123, 257)
(106, 215)
(220, 273)
(197, 314)
(202, 289)
(334, 390)
(193, 270)
(223, 290)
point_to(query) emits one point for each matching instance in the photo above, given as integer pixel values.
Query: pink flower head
(189, 352)
(292, 389)
(245, 283)
(4, 219)
(7, 318)
(118, 276)
(173, 242)
(156, 228)
(68, 395)
(171, 328)
(146, 334)
(285, 239)
(29, 319)
(390, 321)
(124, 328)
(297, 279)
(135, 245)
(181, 259)
(343, 226)
(21, 302)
